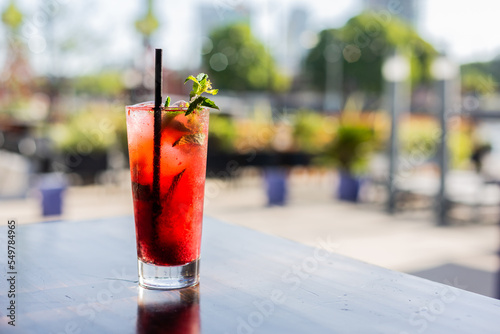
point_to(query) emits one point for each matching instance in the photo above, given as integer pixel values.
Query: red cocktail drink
(168, 220)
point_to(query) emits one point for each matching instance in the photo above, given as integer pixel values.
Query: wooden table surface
(81, 277)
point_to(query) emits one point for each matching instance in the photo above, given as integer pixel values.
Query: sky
(101, 33)
(468, 30)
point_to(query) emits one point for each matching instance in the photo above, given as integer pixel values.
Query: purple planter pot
(52, 201)
(276, 183)
(52, 187)
(349, 186)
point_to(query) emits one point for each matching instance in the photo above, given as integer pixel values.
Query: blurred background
(373, 122)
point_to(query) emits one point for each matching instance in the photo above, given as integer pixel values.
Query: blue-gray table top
(81, 277)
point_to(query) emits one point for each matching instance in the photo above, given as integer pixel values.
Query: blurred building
(290, 38)
(406, 9)
(296, 36)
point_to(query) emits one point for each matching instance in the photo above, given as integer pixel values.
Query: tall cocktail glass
(168, 221)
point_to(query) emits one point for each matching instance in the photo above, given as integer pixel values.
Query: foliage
(362, 45)
(419, 135)
(149, 23)
(353, 143)
(245, 64)
(253, 135)
(481, 77)
(460, 145)
(106, 83)
(93, 129)
(312, 131)
(201, 84)
(222, 133)
(475, 80)
(327, 49)
(12, 17)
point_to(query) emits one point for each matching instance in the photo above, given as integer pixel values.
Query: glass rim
(149, 105)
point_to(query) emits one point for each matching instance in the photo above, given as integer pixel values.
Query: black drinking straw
(157, 136)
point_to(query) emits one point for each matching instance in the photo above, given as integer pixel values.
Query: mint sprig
(201, 84)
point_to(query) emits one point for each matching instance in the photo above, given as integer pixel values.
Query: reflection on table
(173, 312)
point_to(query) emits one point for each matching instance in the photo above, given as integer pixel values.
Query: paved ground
(462, 254)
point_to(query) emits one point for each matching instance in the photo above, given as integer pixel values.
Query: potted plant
(350, 150)
(221, 145)
(312, 131)
(83, 141)
(51, 189)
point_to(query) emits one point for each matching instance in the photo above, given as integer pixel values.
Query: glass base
(168, 277)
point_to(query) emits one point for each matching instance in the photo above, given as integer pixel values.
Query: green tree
(147, 24)
(12, 17)
(106, 83)
(238, 61)
(476, 81)
(480, 78)
(362, 45)
(329, 48)
(16, 77)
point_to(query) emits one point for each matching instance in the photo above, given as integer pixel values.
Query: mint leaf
(201, 84)
(173, 185)
(194, 138)
(167, 102)
(190, 78)
(195, 91)
(196, 86)
(195, 104)
(201, 76)
(209, 103)
(201, 101)
(169, 122)
(141, 192)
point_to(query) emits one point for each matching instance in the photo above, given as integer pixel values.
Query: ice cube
(180, 104)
